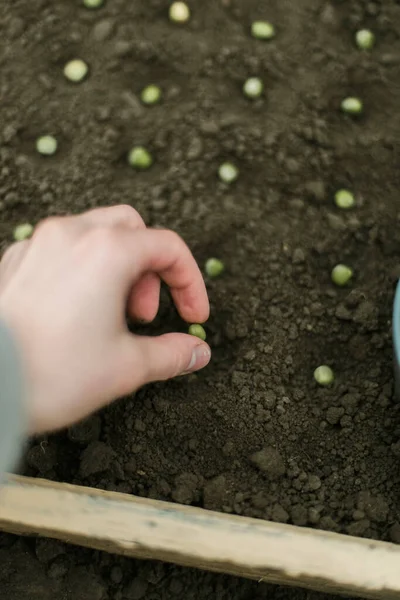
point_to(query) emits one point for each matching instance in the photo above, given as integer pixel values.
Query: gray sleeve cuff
(12, 409)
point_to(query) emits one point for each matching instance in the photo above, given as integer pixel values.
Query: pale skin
(65, 294)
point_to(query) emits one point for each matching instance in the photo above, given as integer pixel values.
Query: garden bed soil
(252, 434)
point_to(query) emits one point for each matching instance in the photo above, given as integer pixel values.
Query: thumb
(145, 359)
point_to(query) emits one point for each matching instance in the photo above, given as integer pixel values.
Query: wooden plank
(193, 537)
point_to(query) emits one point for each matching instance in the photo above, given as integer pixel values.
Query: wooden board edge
(193, 537)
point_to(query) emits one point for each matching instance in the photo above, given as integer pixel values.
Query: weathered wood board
(193, 537)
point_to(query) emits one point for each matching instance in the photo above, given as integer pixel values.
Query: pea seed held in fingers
(76, 70)
(198, 331)
(151, 95)
(352, 105)
(46, 145)
(253, 87)
(365, 39)
(323, 375)
(179, 12)
(228, 172)
(341, 275)
(140, 158)
(262, 30)
(23, 232)
(214, 267)
(344, 199)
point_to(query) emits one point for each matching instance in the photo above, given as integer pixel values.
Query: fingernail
(200, 358)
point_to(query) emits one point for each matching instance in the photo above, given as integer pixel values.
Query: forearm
(12, 409)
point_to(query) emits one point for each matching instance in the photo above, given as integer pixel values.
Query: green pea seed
(93, 3)
(352, 105)
(344, 199)
(22, 232)
(253, 87)
(323, 375)
(262, 30)
(151, 95)
(228, 173)
(198, 331)
(365, 39)
(341, 275)
(214, 267)
(179, 12)
(46, 145)
(76, 70)
(140, 158)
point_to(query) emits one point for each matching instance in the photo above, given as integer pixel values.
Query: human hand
(65, 294)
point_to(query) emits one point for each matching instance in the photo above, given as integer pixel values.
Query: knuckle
(174, 239)
(49, 228)
(104, 245)
(103, 239)
(129, 214)
(97, 247)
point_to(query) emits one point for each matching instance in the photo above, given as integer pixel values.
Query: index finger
(165, 253)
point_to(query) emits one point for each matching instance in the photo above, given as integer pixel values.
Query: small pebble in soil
(262, 30)
(46, 145)
(96, 458)
(93, 3)
(352, 105)
(198, 331)
(341, 275)
(140, 158)
(298, 256)
(253, 87)
(228, 173)
(270, 461)
(334, 414)
(102, 30)
(151, 95)
(323, 375)
(214, 267)
(76, 70)
(344, 199)
(365, 39)
(22, 232)
(179, 12)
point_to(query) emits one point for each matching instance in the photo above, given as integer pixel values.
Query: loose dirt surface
(252, 434)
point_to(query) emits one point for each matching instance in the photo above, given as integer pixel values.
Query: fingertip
(203, 311)
(193, 305)
(206, 314)
(160, 358)
(201, 356)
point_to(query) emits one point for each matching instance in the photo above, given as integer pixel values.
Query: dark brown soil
(329, 456)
